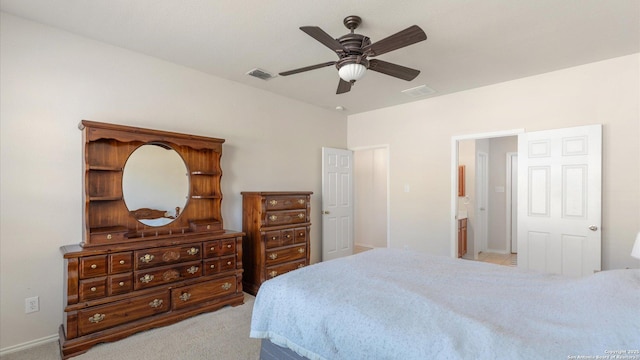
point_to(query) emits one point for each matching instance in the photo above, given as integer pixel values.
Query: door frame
(511, 213)
(388, 199)
(453, 226)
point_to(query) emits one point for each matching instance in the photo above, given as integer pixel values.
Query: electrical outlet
(31, 304)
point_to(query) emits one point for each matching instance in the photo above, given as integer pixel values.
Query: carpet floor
(222, 334)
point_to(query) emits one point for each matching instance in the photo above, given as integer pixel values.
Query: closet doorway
(371, 199)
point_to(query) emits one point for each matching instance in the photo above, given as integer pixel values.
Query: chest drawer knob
(226, 286)
(109, 236)
(301, 250)
(185, 296)
(156, 303)
(273, 256)
(147, 278)
(96, 318)
(212, 266)
(273, 273)
(193, 251)
(301, 216)
(93, 266)
(93, 288)
(273, 218)
(121, 283)
(301, 201)
(192, 270)
(273, 202)
(274, 238)
(147, 258)
(228, 262)
(121, 262)
(229, 246)
(288, 236)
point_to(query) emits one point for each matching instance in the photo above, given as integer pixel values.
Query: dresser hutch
(153, 250)
(277, 241)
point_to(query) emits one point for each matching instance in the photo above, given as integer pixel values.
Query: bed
(398, 304)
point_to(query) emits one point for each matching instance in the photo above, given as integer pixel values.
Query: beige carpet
(223, 334)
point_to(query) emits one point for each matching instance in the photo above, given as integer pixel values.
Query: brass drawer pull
(288, 236)
(193, 251)
(192, 270)
(94, 266)
(301, 216)
(213, 248)
(208, 227)
(273, 256)
(147, 278)
(121, 283)
(185, 296)
(274, 238)
(228, 262)
(156, 303)
(121, 262)
(147, 258)
(301, 201)
(301, 234)
(273, 218)
(94, 288)
(212, 266)
(273, 273)
(109, 236)
(273, 202)
(226, 286)
(229, 246)
(96, 318)
(301, 250)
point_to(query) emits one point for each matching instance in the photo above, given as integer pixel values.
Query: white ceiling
(470, 43)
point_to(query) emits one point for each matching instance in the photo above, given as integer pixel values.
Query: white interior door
(337, 203)
(559, 200)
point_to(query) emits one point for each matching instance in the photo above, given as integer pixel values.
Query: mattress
(391, 304)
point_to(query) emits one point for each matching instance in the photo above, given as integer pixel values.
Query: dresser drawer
(189, 295)
(120, 284)
(92, 289)
(219, 248)
(283, 202)
(145, 259)
(285, 217)
(278, 238)
(300, 235)
(154, 277)
(277, 256)
(120, 262)
(273, 271)
(214, 266)
(121, 312)
(92, 266)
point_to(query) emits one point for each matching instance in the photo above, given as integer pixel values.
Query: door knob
(325, 212)
(593, 228)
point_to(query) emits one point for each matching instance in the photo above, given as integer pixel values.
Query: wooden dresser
(145, 263)
(276, 241)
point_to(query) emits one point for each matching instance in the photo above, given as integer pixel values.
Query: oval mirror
(155, 184)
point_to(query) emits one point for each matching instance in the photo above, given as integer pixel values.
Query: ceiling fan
(354, 49)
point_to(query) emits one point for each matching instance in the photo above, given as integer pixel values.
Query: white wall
(498, 149)
(370, 197)
(50, 80)
(605, 92)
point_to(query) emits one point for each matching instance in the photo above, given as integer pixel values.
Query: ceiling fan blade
(326, 39)
(343, 87)
(307, 68)
(406, 37)
(394, 70)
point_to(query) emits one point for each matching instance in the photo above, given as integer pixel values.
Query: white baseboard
(28, 344)
(503, 252)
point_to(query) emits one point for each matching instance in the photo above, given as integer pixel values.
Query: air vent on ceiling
(260, 74)
(422, 90)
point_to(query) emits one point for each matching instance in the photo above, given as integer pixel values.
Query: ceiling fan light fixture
(352, 72)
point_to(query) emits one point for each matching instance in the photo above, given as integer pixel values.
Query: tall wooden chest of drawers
(276, 241)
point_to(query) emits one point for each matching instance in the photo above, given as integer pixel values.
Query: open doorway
(371, 210)
(486, 207)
